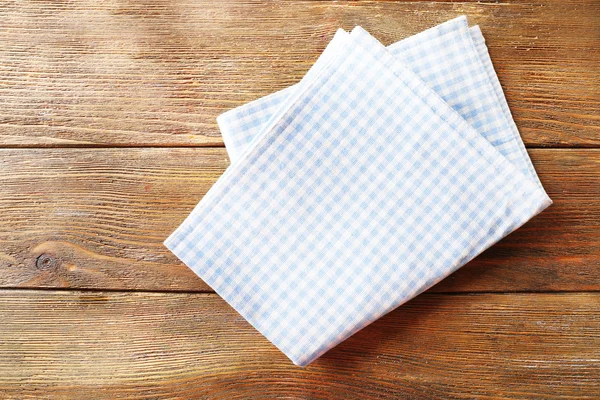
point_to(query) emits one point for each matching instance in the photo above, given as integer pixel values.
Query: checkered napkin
(451, 59)
(363, 189)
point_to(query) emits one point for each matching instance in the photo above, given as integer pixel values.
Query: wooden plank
(155, 345)
(159, 72)
(96, 218)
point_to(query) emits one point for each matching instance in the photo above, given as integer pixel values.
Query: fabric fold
(361, 189)
(451, 59)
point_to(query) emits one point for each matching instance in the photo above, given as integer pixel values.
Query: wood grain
(96, 218)
(158, 72)
(157, 345)
(135, 86)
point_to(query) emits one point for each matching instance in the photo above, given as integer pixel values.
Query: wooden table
(108, 139)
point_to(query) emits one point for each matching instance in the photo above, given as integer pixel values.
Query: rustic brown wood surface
(96, 218)
(158, 72)
(108, 139)
(148, 345)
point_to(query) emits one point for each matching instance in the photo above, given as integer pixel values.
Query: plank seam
(113, 290)
(221, 146)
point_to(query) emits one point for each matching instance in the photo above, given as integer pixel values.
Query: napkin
(451, 59)
(364, 189)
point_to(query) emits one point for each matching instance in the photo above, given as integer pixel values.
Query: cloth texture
(451, 59)
(359, 188)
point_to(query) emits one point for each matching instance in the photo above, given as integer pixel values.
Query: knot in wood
(45, 261)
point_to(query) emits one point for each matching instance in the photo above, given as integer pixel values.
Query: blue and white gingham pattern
(485, 59)
(447, 59)
(249, 120)
(364, 190)
(456, 72)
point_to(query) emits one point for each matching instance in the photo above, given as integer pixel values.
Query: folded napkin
(363, 189)
(451, 59)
